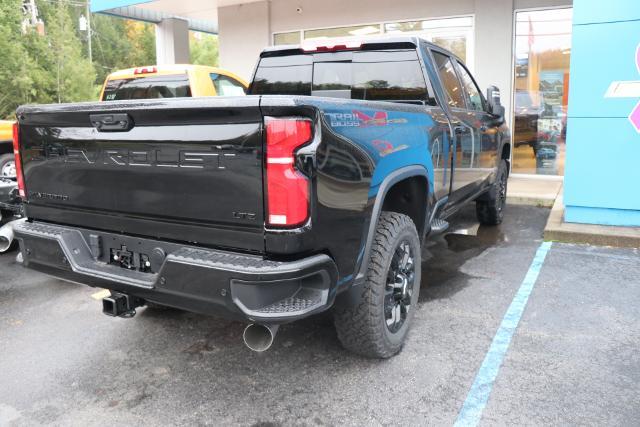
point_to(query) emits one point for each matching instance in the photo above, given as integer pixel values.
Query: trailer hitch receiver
(121, 305)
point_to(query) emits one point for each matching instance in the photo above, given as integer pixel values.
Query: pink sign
(634, 117)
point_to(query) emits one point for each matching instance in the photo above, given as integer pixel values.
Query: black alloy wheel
(399, 289)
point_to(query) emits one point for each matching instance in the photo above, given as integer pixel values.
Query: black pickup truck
(316, 191)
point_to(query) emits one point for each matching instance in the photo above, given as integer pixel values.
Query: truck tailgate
(182, 170)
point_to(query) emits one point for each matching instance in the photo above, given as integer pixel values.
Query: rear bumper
(195, 279)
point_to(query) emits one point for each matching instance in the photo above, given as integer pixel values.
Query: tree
(54, 66)
(143, 42)
(73, 75)
(121, 43)
(204, 49)
(16, 84)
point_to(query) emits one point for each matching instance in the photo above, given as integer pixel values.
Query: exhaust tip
(7, 241)
(259, 337)
(5, 244)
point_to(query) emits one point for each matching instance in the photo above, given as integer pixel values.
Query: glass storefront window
(455, 44)
(354, 31)
(403, 27)
(428, 24)
(541, 77)
(292, 37)
(454, 34)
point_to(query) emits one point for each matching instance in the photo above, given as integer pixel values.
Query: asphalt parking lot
(574, 358)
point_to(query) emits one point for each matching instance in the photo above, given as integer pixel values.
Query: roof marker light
(145, 70)
(321, 46)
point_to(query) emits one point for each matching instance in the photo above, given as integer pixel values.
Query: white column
(493, 47)
(244, 31)
(172, 41)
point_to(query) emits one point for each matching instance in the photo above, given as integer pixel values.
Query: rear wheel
(7, 166)
(377, 324)
(490, 210)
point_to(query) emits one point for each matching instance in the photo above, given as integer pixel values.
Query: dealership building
(525, 47)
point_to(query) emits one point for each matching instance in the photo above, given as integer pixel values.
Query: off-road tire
(490, 209)
(361, 323)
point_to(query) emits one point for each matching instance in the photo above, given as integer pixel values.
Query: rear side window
(170, 86)
(389, 81)
(278, 76)
(371, 75)
(226, 86)
(449, 79)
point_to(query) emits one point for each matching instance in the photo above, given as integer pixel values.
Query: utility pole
(89, 31)
(33, 12)
(30, 11)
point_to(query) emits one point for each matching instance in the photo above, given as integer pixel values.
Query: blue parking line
(478, 396)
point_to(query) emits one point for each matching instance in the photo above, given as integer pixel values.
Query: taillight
(287, 188)
(16, 152)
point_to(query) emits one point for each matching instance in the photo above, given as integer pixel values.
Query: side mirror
(493, 102)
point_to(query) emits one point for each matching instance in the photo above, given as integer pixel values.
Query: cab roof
(382, 42)
(352, 43)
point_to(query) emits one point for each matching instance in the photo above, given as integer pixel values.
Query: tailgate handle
(120, 122)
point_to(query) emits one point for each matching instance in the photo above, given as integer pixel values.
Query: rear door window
(148, 87)
(452, 86)
(226, 86)
(368, 75)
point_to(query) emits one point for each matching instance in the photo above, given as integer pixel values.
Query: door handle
(120, 122)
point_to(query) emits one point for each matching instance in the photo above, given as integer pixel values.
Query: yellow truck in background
(7, 160)
(155, 81)
(171, 81)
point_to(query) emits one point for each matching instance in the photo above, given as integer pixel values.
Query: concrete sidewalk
(533, 191)
(591, 234)
(541, 192)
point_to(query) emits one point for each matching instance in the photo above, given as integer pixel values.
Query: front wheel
(7, 166)
(490, 210)
(377, 323)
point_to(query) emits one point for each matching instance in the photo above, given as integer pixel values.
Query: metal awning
(202, 15)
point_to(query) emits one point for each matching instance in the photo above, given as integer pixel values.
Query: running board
(439, 226)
